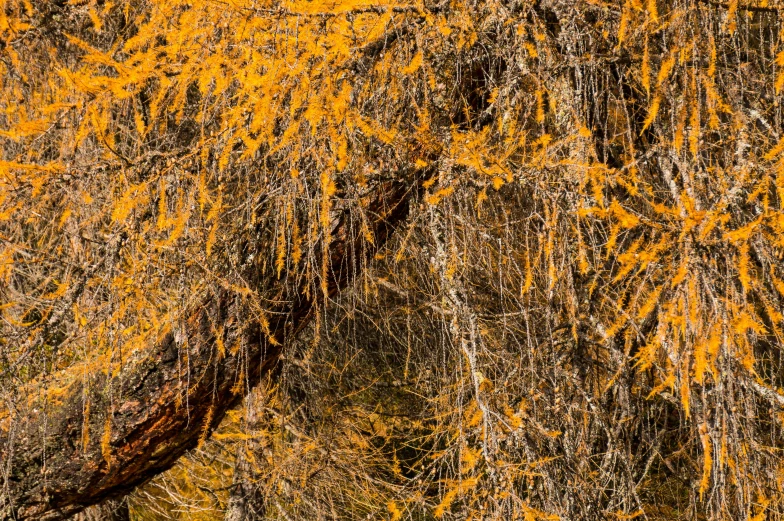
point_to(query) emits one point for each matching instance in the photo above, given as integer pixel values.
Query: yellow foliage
(106, 439)
(707, 458)
(454, 490)
(414, 65)
(653, 110)
(397, 514)
(468, 459)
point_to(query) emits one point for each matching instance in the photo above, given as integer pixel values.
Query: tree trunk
(245, 501)
(52, 469)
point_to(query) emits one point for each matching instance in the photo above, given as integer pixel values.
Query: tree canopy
(555, 227)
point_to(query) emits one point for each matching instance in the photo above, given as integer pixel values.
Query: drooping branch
(54, 469)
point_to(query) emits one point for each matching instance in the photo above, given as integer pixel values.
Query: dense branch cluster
(492, 259)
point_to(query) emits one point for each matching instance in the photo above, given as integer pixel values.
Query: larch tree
(590, 199)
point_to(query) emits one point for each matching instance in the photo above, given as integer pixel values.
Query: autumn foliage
(480, 260)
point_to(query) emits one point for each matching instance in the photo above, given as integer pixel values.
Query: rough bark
(245, 502)
(48, 474)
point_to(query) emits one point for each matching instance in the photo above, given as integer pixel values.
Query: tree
(186, 187)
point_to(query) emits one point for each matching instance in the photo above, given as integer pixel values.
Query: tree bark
(48, 471)
(245, 501)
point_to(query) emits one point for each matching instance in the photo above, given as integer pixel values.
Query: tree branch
(52, 476)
